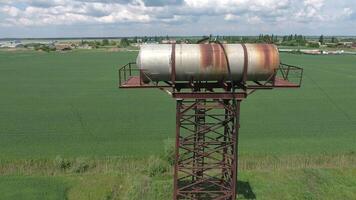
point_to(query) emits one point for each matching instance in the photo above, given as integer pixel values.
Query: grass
(294, 144)
(268, 177)
(302, 184)
(68, 104)
(14, 187)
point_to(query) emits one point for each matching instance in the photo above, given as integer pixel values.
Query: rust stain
(213, 58)
(268, 56)
(205, 51)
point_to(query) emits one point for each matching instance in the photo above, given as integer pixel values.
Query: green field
(294, 144)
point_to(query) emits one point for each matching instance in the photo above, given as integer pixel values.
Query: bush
(169, 150)
(62, 163)
(156, 166)
(80, 165)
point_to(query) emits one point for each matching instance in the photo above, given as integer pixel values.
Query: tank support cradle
(206, 156)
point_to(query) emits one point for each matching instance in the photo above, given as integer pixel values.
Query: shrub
(62, 163)
(169, 150)
(156, 166)
(80, 165)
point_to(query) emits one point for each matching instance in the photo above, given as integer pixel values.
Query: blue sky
(108, 18)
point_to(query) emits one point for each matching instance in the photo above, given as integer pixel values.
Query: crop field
(67, 132)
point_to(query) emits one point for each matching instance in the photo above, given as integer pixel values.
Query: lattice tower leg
(206, 149)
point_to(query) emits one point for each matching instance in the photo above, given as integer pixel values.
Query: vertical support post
(206, 157)
(235, 136)
(199, 138)
(175, 181)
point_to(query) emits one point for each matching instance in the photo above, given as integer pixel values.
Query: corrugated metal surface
(208, 61)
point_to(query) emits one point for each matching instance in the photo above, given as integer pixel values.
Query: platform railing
(127, 71)
(293, 74)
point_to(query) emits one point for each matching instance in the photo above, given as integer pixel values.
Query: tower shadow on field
(244, 190)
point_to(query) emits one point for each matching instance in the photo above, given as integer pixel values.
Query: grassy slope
(67, 104)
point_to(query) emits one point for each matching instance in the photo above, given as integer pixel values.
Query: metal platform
(287, 76)
(281, 83)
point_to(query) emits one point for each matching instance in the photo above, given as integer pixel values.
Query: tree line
(285, 40)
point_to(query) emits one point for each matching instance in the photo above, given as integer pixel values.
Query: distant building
(11, 44)
(168, 42)
(64, 46)
(151, 42)
(331, 45)
(312, 51)
(84, 46)
(20, 46)
(346, 44)
(314, 43)
(354, 45)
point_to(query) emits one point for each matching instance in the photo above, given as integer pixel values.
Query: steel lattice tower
(208, 120)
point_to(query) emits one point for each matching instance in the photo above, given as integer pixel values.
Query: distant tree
(290, 38)
(124, 42)
(321, 39)
(334, 40)
(135, 39)
(285, 38)
(105, 42)
(113, 43)
(300, 40)
(245, 39)
(267, 39)
(275, 40)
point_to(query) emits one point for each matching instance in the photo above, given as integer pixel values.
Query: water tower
(208, 82)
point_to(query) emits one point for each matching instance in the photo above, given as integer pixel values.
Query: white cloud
(314, 3)
(348, 11)
(254, 20)
(10, 10)
(231, 17)
(70, 12)
(272, 13)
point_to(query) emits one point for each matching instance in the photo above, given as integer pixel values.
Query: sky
(121, 18)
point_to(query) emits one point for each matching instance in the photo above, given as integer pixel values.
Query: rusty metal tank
(207, 62)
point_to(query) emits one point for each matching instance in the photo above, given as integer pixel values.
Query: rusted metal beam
(205, 95)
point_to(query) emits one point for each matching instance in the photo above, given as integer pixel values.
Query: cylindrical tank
(207, 62)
